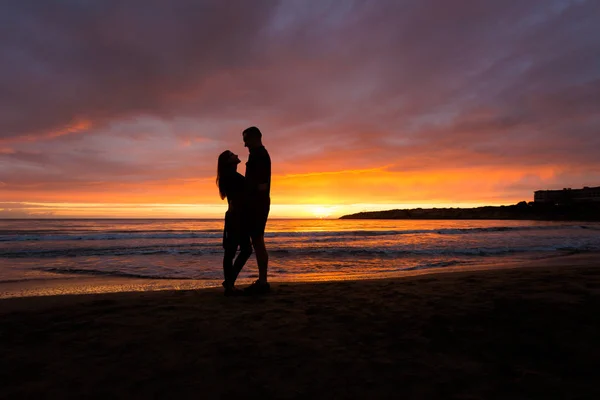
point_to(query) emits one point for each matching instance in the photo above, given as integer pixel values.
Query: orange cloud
(298, 194)
(76, 126)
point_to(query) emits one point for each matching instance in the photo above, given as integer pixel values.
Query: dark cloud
(72, 60)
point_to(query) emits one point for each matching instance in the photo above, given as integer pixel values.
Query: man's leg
(262, 257)
(257, 233)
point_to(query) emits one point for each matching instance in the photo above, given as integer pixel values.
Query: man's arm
(264, 174)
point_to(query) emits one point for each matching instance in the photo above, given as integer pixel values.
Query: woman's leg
(228, 268)
(242, 258)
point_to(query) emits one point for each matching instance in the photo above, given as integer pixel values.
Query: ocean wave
(71, 231)
(111, 236)
(439, 264)
(444, 231)
(214, 233)
(285, 252)
(109, 251)
(392, 252)
(121, 274)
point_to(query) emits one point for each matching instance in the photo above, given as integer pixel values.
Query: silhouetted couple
(245, 220)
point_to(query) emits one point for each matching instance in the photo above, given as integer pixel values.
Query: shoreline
(93, 285)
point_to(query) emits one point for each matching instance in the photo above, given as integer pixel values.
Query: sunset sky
(120, 108)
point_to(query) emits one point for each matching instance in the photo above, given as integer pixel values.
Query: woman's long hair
(225, 170)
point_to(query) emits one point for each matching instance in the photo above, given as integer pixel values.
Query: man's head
(252, 137)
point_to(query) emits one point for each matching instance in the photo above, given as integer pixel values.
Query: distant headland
(548, 205)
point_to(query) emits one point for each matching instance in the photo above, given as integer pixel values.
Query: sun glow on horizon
(323, 211)
(12, 210)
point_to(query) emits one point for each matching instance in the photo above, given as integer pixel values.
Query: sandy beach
(513, 333)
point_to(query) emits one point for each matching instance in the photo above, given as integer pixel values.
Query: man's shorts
(256, 219)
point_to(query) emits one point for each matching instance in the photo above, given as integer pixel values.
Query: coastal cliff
(522, 210)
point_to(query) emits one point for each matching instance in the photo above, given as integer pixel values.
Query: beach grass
(518, 333)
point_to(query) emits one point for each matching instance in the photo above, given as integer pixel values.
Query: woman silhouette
(232, 186)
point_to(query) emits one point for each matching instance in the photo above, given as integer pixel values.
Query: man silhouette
(258, 189)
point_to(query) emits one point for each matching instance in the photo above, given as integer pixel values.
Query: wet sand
(515, 333)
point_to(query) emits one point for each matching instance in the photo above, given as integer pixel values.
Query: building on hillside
(568, 195)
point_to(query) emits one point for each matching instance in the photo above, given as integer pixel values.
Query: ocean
(35, 253)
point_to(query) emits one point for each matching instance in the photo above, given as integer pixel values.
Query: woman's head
(226, 165)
